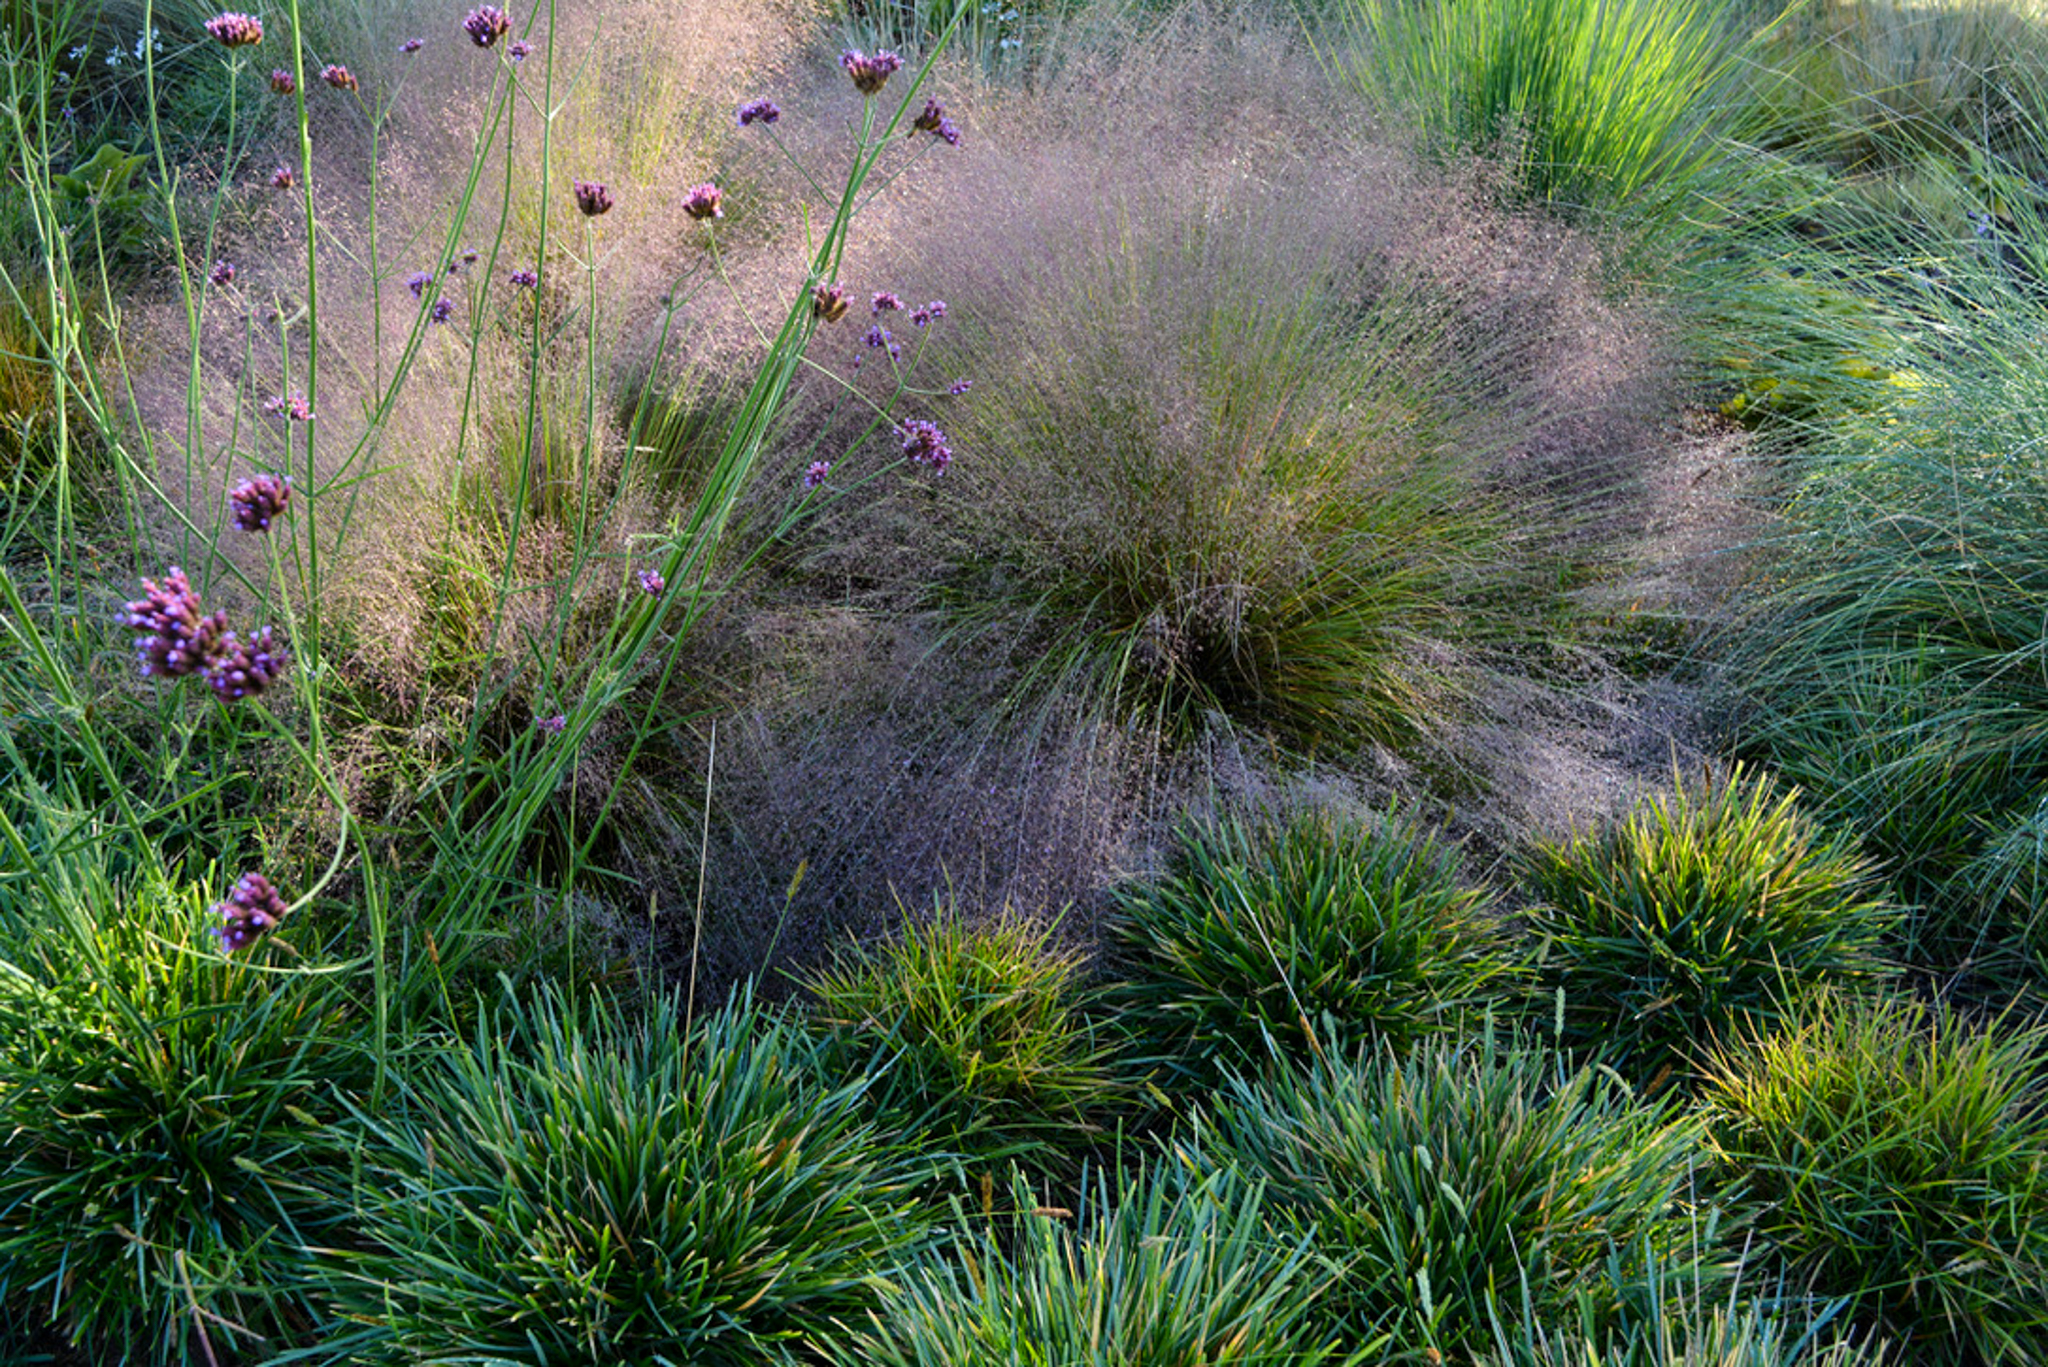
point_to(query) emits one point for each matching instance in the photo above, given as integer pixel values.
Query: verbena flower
(234, 29)
(466, 258)
(340, 77)
(883, 302)
(870, 73)
(253, 906)
(293, 406)
(925, 444)
(282, 178)
(525, 279)
(486, 24)
(593, 198)
(417, 282)
(520, 50)
(554, 725)
(759, 111)
(879, 336)
(223, 273)
(243, 669)
(651, 582)
(178, 639)
(703, 200)
(412, 45)
(933, 120)
(815, 476)
(257, 500)
(959, 387)
(282, 82)
(829, 302)
(442, 311)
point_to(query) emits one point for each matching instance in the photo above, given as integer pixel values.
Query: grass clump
(1602, 102)
(1897, 1156)
(1704, 910)
(1469, 1181)
(168, 1118)
(1304, 937)
(977, 1036)
(1171, 1266)
(574, 1186)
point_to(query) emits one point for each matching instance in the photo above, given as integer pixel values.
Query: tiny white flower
(114, 57)
(78, 52)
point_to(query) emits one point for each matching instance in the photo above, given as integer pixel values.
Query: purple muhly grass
(256, 501)
(282, 82)
(925, 444)
(340, 77)
(703, 201)
(592, 197)
(282, 178)
(223, 273)
(243, 669)
(829, 302)
(815, 476)
(178, 639)
(759, 111)
(253, 906)
(234, 29)
(486, 24)
(870, 73)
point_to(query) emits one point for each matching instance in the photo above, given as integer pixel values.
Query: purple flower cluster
(702, 201)
(282, 82)
(815, 476)
(931, 312)
(925, 444)
(442, 311)
(520, 50)
(340, 77)
(412, 45)
(233, 29)
(486, 24)
(592, 197)
(879, 336)
(526, 280)
(934, 121)
(884, 302)
(178, 639)
(253, 906)
(258, 500)
(759, 111)
(467, 258)
(240, 670)
(282, 178)
(870, 73)
(417, 282)
(651, 582)
(959, 387)
(293, 406)
(223, 273)
(553, 726)
(829, 302)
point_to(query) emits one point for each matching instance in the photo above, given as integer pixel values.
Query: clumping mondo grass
(1897, 1156)
(1687, 1333)
(572, 1186)
(1172, 1266)
(1603, 103)
(977, 1037)
(170, 1118)
(1303, 937)
(1472, 1183)
(1705, 910)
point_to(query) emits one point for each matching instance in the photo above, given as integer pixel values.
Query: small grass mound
(1703, 911)
(1167, 1268)
(1898, 1157)
(1304, 937)
(977, 1036)
(574, 1187)
(1471, 1185)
